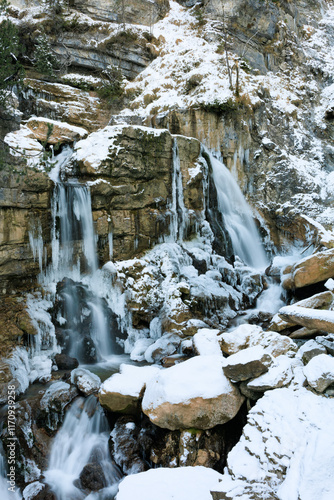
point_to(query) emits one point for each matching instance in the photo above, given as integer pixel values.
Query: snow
(97, 147)
(201, 376)
(184, 483)
(248, 355)
(130, 381)
(286, 429)
(206, 342)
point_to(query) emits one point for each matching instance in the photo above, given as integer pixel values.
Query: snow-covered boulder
(53, 132)
(309, 350)
(123, 391)
(319, 372)
(194, 393)
(286, 450)
(183, 483)
(206, 342)
(278, 375)
(313, 269)
(86, 381)
(317, 319)
(252, 335)
(248, 363)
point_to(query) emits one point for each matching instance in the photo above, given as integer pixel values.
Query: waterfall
(179, 213)
(72, 222)
(237, 216)
(82, 439)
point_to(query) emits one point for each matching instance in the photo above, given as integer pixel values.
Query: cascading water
(82, 440)
(237, 216)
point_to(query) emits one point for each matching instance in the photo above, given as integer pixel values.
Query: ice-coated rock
(86, 381)
(248, 363)
(194, 393)
(123, 391)
(319, 372)
(181, 483)
(309, 350)
(206, 342)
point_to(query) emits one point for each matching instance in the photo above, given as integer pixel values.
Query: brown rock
(318, 267)
(53, 132)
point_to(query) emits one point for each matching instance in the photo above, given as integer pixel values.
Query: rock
(86, 381)
(165, 346)
(54, 132)
(165, 483)
(327, 342)
(65, 362)
(278, 375)
(313, 269)
(23, 141)
(278, 324)
(316, 319)
(53, 403)
(249, 393)
(125, 447)
(245, 336)
(66, 104)
(319, 372)
(309, 350)
(303, 333)
(92, 477)
(248, 363)
(142, 12)
(194, 393)
(239, 338)
(206, 342)
(287, 441)
(123, 391)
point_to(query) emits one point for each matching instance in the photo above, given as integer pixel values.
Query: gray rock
(248, 363)
(309, 350)
(327, 342)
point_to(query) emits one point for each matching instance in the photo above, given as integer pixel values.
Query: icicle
(111, 245)
(179, 213)
(37, 245)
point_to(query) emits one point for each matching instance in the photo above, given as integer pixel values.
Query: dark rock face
(137, 446)
(65, 362)
(92, 477)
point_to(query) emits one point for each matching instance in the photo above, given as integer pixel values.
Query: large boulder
(286, 450)
(123, 391)
(194, 393)
(313, 269)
